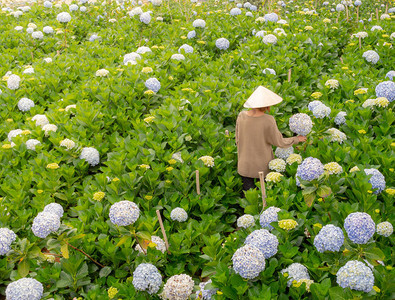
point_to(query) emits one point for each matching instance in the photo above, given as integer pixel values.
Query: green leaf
(65, 251)
(324, 191)
(374, 254)
(122, 240)
(105, 272)
(309, 198)
(23, 268)
(338, 293)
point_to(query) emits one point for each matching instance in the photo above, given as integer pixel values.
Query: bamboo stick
(357, 13)
(197, 182)
(377, 13)
(347, 12)
(289, 75)
(360, 42)
(263, 189)
(162, 228)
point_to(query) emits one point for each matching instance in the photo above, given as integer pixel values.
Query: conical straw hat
(262, 97)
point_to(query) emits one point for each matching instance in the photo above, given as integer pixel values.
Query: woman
(256, 133)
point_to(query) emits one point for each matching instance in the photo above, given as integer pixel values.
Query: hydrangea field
(118, 161)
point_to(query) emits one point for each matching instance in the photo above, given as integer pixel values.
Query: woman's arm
(237, 130)
(275, 137)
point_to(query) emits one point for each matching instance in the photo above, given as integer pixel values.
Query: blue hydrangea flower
(54, 208)
(330, 238)
(268, 216)
(311, 168)
(296, 271)
(386, 89)
(283, 153)
(45, 223)
(247, 5)
(356, 276)
(377, 180)
(340, 118)
(124, 213)
(340, 7)
(300, 124)
(390, 75)
(272, 17)
(47, 4)
(145, 18)
(235, 11)
(371, 56)
(204, 294)
(153, 84)
(186, 48)
(146, 277)
(222, 43)
(248, 261)
(321, 111)
(359, 227)
(7, 236)
(314, 104)
(358, 3)
(24, 288)
(264, 241)
(253, 8)
(191, 34)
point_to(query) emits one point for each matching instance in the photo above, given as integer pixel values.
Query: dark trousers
(248, 183)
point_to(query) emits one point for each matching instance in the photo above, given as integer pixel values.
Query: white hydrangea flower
(13, 133)
(270, 39)
(207, 160)
(48, 60)
(91, 155)
(13, 82)
(333, 168)
(67, 143)
(32, 143)
(25, 104)
(40, 120)
(277, 165)
(48, 128)
(102, 72)
(63, 17)
(38, 35)
(245, 221)
(29, 70)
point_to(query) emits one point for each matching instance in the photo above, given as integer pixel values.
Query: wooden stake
(341, 59)
(162, 228)
(197, 182)
(289, 75)
(377, 13)
(263, 189)
(386, 8)
(357, 13)
(360, 42)
(347, 12)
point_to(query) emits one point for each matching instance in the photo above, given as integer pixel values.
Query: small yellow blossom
(393, 144)
(385, 35)
(183, 37)
(149, 119)
(172, 161)
(202, 42)
(370, 191)
(115, 179)
(148, 197)
(287, 224)
(182, 28)
(154, 47)
(120, 70)
(320, 199)
(318, 225)
(345, 68)
(162, 47)
(298, 283)
(168, 169)
(207, 91)
(345, 251)
(354, 169)
(326, 20)
(362, 131)
(147, 70)
(316, 95)
(98, 196)
(308, 28)
(351, 44)
(10, 120)
(350, 101)
(53, 166)
(61, 109)
(6, 146)
(377, 290)
(151, 245)
(296, 48)
(144, 166)
(388, 267)
(26, 132)
(168, 181)
(112, 292)
(285, 274)
(171, 77)
(40, 191)
(390, 191)
(377, 211)
(360, 91)
(334, 27)
(219, 293)
(149, 92)
(391, 169)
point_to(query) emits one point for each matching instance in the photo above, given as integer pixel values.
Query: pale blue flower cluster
(356, 276)
(73, 7)
(191, 34)
(7, 236)
(330, 238)
(179, 214)
(124, 213)
(143, 49)
(222, 44)
(359, 227)
(268, 216)
(377, 180)
(358, 3)
(390, 75)
(386, 89)
(311, 168)
(199, 23)
(204, 294)
(186, 48)
(145, 18)
(269, 71)
(91, 155)
(300, 124)
(314, 104)
(266, 242)
(272, 17)
(45, 223)
(371, 56)
(296, 271)
(47, 4)
(153, 84)
(248, 261)
(54, 208)
(340, 7)
(235, 11)
(321, 111)
(24, 289)
(63, 17)
(340, 118)
(146, 277)
(283, 153)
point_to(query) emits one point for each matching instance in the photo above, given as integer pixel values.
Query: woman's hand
(301, 138)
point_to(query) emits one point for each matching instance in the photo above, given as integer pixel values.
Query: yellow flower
(295, 48)
(98, 196)
(318, 225)
(202, 42)
(316, 95)
(162, 47)
(182, 28)
(376, 289)
(285, 274)
(351, 44)
(26, 132)
(144, 166)
(345, 251)
(149, 92)
(354, 169)
(320, 199)
(154, 47)
(176, 20)
(388, 267)
(390, 191)
(172, 161)
(207, 91)
(183, 37)
(219, 293)
(112, 292)
(382, 102)
(387, 44)
(377, 211)
(170, 77)
(115, 179)
(334, 27)
(168, 181)
(345, 68)
(393, 144)
(120, 70)
(10, 120)
(273, 177)
(147, 70)
(187, 90)
(350, 101)
(391, 169)
(287, 224)
(326, 20)
(362, 131)
(40, 191)
(360, 91)
(148, 197)
(370, 192)
(168, 169)
(53, 166)
(61, 109)
(152, 245)
(308, 28)
(385, 35)
(298, 283)
(149, 119)
(6, 146)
